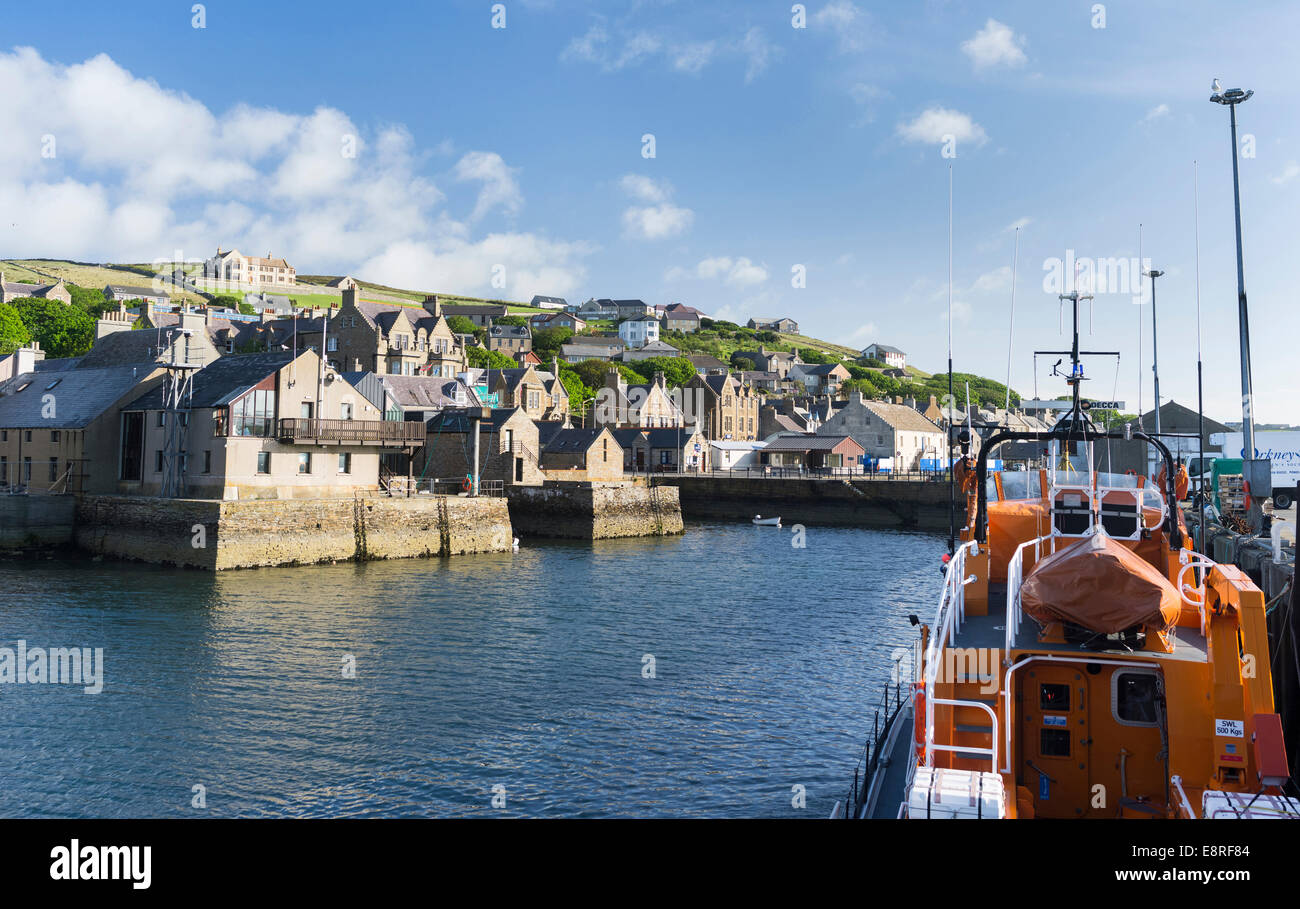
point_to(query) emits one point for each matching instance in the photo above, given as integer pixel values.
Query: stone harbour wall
(217, 535)
(34, 521)
(595, 511)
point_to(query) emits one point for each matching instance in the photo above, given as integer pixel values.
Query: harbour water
(704, 675)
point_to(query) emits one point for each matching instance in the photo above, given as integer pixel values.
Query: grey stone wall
(219, 535)
(595, 511)
(32, 521)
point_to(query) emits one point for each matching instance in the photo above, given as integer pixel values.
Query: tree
(548, 341)
(13, 333)
(743, 363)
(519, 321)
(89, 300)
(677, 370)
(461, 325)
(580, 394)
(480, 358)
(863, 384)
(873, 361)
(61, 330)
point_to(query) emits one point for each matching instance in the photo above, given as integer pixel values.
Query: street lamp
(1231, 98)
(1155, 347)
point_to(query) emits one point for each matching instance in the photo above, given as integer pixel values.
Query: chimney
(432, 306)
(555, 366)
(26, 358)
(659, 379)
(934, 401)
(613, 380)
(350, 296)
(855, 397)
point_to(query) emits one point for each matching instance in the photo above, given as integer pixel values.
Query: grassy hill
(85, 274)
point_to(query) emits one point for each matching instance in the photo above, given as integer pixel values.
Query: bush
(461, 325)
(481, 358)
(13, 333)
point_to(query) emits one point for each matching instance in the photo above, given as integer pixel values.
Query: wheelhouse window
(1135, 698)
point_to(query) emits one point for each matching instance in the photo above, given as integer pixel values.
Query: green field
(84, 274)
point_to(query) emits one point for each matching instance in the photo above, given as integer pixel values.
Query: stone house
(13, 290)
(59, 429)
(538, 392)
(510, 339)
(509, 449)
(234, 267)
(640, 406)
(481, 314)
(580, 454)
(596, 310)
(677, 317)
(663, 450)
(392, 339)
(266, 425)
(543, 302)
(728, 409)
(591, 348)
(775, 361)
(786, 325)
(820, 378)
(124, 292)
(886, 430)
(557, 320)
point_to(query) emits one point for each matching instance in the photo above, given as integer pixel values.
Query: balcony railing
(357, 432)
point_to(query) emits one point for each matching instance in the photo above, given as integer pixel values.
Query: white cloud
(140, 171)
(613, 53)
(850, 24)
(500, 188)
(1289, 173)
(1018, 224)
(935, 124)
(1160, 110)
(739, 272)
(660, 218)
(995, 44)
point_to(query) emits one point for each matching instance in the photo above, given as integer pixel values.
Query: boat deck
(893, 786)
(989, 631)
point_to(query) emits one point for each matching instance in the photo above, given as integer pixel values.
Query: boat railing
(947, 622)
(1183, 804)
(1015, 578)
(888, 710)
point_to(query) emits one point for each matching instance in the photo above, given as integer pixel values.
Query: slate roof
(883, 347)
(546, 430)
(705, 361)
(562, 440)
(143, 293)
(900, 416)
(541, 299)
(121, 348)
(459, 421)
(510, 331)
(474, 309)
(223, 380)
(426, 391)
(807, 443)
(80, 395)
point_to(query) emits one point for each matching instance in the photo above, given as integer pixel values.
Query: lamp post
(1231, 98)
(1155, 346)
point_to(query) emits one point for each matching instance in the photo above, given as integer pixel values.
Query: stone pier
(595, 511)
(216, 535)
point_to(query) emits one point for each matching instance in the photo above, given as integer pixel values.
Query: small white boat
(514, 545)
(767, 522)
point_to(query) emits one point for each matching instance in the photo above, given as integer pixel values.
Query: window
(304, 462)
(345, 462)
(254, 414)
(332, 345)
(4, 470)
(207, 461)
(157, 461)
(1054, 742)
(162, 416)
(54, 435)
(132, 453)
(27, 470)
(1054, 697)
(4, 435)
(27, 435)
(263, 462)
(345, 410)
(54, 469)
(305, 410)
(1135, 697)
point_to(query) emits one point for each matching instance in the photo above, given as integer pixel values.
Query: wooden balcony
(392, 433)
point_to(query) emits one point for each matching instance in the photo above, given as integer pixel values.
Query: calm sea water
(522, 671)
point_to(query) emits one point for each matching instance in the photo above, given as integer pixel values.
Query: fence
(401, 487)
(794, 473)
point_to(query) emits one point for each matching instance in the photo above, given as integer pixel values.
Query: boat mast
(952, 474)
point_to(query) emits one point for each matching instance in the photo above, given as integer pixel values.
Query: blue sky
(775, 146)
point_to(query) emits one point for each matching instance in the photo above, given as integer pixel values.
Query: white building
(637, 333)
(734, 455)
(890, 356)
